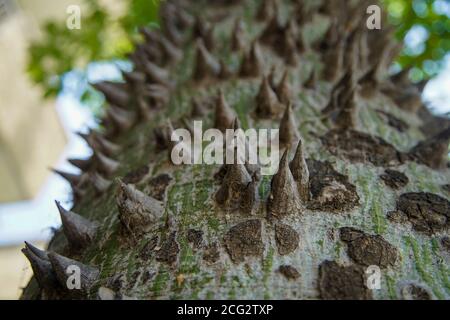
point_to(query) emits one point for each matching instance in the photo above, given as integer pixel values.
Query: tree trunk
(363, 194)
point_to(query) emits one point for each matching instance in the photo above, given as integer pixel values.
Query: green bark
(189, 202)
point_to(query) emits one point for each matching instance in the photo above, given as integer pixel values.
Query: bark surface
(367, 186)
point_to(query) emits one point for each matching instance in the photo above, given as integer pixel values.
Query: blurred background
(45, 98)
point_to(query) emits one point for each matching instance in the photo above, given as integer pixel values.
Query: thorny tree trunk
(368, 185)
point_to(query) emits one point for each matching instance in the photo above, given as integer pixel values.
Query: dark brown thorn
(288, 128)
(105, 146)
(224, 115)
(172, 33)
(113, 94)
(157, 74)
(123, 120)
(346, 117)
(61, 265)
(105, 164)
(267, 105)
(134, 78)
(82, 164)
(99, 183)
(42, 268)
(234, 184)
(252, 62)
(172, 52)
(73, 179)
(79, 231)
(38, 252)
(433, 152)
(272, 31)
(138, 212)
(98, 143)
(284, 91)
(237, 36)
(206, 66)
(300, 172)
(284, 198)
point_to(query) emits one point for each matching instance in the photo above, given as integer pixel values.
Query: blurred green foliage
(425, 27)
(105, 37)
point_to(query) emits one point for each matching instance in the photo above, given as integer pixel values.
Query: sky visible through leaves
(425, 27)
